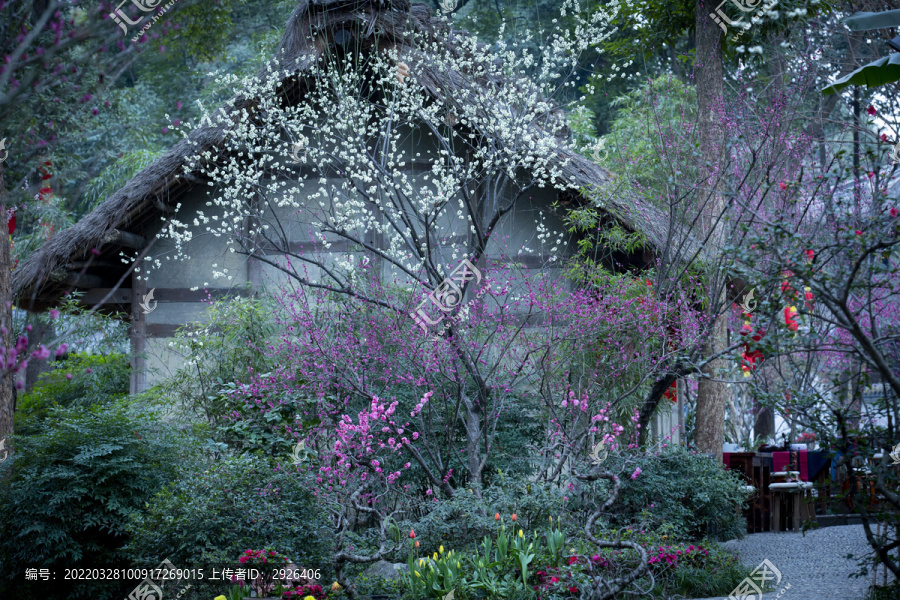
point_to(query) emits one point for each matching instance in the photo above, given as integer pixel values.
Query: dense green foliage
(70, 491)
(207, 519)
(685, 494)
(95, 379)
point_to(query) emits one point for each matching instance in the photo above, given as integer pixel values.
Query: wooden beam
(96, 295)
(126, 239)
(73, 279)
(89, 264)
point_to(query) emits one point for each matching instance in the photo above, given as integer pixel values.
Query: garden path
(815, 564)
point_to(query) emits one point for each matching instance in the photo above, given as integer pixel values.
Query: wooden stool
(793, 496)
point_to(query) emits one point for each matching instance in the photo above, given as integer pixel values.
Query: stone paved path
(813, 564)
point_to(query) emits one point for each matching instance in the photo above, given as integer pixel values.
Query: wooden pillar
(138, 333)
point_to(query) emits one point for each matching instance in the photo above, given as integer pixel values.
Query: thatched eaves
(50, 272)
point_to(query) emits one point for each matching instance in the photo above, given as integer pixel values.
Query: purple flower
(62, 349)
(54, 314)
(636, 473)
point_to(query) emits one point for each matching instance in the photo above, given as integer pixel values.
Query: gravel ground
(813, 564)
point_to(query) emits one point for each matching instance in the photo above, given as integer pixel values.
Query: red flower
(573, 590)
(894, 212)
(883, 137)
(871, 110)
(858, 232)
(514, 517)
(782, 185)
(573, 560)
(789, 312)
(412, 534)
(810, 254)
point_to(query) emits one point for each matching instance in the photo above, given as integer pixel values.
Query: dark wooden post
(138, 333)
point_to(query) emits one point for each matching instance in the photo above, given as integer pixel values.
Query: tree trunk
(7, 379)
(708, 76)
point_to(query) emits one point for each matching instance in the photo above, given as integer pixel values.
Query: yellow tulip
(521, 534)
(434, 557)
(335, 587)
(220, 598)
(441, 549)
(417, 573)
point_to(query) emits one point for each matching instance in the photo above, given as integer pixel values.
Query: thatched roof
(45, 277)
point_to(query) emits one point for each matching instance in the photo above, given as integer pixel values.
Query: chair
(789, 504)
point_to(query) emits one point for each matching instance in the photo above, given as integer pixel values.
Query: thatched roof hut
(86, 255)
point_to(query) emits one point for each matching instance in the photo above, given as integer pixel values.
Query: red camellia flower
(573, 590)
(810, 254)
(883, 137)
(573, 560)
(871, 110)
(789, 312)
(894, 212)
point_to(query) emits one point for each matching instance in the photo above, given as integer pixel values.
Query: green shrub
(95, 379)
(207, 519)
(465, 519)
(689, 494)
(69, 490)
